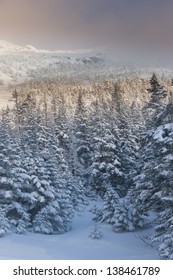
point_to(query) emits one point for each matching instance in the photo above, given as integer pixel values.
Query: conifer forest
(66, 142)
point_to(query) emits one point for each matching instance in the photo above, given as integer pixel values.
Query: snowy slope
(77, 245)
(18, 64)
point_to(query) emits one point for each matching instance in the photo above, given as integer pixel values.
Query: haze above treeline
(74, 24)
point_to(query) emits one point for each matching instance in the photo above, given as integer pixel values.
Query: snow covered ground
(77, 244)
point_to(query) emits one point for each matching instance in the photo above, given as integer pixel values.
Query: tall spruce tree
(153, 182)
(156, 92)
(82, 140)
(106, 168)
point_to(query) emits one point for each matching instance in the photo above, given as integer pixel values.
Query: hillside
(19, 64)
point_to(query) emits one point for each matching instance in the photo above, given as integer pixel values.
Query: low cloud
(81, 23)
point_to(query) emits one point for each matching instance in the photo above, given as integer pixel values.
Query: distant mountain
(10, 47)
(22, 63)
(7, 46)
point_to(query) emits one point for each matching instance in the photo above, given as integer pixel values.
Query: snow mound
(163, 131)
(7, 46)
(30, 48)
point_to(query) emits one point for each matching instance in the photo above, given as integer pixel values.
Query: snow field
(77, 245)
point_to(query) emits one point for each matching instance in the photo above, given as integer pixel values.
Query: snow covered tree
(15, 186)
(4, 223)
(52, 210)
(82, 139)
(163, 137)
(106, 168)
(95, 232)
(118, 109)
(111, 199)
(156, 91)
(153, 182)
(60, 122)
(154, 162)
(125, 135)
(119, 212)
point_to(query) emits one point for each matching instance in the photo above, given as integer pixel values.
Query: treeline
(57, 148)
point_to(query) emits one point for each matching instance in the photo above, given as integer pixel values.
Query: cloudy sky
(59, 24)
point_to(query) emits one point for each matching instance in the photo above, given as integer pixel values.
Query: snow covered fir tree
(152, 183)
(64, 144)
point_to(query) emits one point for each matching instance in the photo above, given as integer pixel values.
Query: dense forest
(63, 143)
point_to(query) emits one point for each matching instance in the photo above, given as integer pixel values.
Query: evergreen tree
(4, 223)
(119, 212)
(106, 168)
(82, 140)
(153, 182)
(60, 123)
(15, 187)
(157, 93)
(95, 232)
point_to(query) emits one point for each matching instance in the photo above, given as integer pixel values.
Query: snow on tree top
(159, 134)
